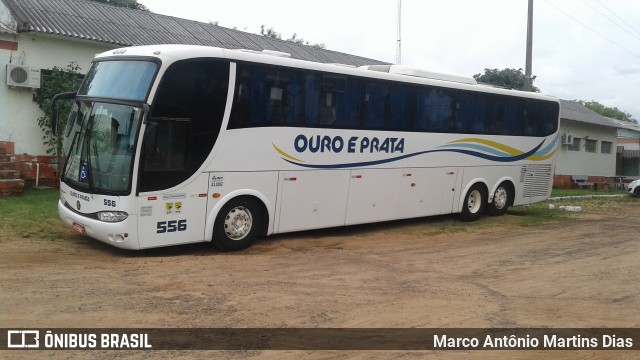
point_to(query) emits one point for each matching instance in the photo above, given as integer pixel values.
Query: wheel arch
(509, 182)
(260, 199)
(471, 183)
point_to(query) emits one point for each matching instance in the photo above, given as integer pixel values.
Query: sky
(582, 49)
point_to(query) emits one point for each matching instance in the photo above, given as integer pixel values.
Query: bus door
(171, 209)
(175, 217)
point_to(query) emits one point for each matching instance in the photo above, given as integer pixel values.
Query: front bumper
(123, 234)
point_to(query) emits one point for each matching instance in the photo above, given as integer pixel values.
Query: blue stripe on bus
(397, 158)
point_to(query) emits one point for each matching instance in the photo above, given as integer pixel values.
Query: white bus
(173, 144)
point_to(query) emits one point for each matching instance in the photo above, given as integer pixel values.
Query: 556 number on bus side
(171, 226)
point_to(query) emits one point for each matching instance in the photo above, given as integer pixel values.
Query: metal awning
(630, 154)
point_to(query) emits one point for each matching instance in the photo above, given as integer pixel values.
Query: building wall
(582, 162)
(629, 143)
(18, 111)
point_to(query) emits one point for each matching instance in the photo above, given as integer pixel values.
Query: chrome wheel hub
(238, 223)
(500, 198)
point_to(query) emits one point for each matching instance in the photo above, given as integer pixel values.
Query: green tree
(270, 32)
(506, 78)
(60, 80)
(131, 4)
(610, 112)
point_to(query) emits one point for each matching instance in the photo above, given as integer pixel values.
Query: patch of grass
(613, 206)
(538, 213)
(32, 215)
(584, 192)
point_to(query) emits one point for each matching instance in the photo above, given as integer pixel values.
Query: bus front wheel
(474, 203)
(237, 224)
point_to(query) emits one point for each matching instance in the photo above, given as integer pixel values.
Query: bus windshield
(100, 141)
(128, 79)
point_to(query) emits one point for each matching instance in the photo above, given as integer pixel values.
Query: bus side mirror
(54, 108)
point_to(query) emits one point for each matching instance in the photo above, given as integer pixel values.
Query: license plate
(78, 227)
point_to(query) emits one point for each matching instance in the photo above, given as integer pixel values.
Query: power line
(608, 18)
(594, 31)
(616, 15)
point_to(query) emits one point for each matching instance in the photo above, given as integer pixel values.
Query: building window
(575, 146)
(590, 145)
(605, 147)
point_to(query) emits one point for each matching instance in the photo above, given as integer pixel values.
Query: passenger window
(267, 97)
(332, 101)
(532, 121)
(386, 106)
(434, 110)
(471, 114)
(511, 120)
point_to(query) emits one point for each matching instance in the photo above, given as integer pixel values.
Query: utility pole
(527, 71)
(398, 49)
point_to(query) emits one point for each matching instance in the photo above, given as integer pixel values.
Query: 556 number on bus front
(171, 226)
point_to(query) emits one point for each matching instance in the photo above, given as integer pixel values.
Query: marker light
(112, 216)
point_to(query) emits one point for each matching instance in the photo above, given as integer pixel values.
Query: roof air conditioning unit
(23, 76)
(567, 139)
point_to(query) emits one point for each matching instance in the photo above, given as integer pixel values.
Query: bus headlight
(112, 216)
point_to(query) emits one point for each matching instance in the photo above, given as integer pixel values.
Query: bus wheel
(237, 224)
(474, 203)
(501, 201)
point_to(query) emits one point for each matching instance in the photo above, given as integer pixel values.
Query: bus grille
(536, 179)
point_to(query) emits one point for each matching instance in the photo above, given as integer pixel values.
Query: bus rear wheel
(474, 203)
(237, 225)
(501, 200)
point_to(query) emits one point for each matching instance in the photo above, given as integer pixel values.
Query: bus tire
(502, 199)
(237, 225)
(474, 203)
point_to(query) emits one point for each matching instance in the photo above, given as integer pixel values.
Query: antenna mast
(398, 49)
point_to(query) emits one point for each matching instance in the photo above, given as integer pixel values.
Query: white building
(588, 146)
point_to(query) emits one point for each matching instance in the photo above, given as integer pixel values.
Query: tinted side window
(332, 101)
(184, 122)
(472, 113)
(386, 106)
(511, 121)
(271, 96)
(267, 97)
(550, 112)
(434, 110)
(533, 120)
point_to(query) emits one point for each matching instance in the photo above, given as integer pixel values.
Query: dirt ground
(426, 273)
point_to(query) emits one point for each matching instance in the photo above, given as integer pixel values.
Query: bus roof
(169, 53)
